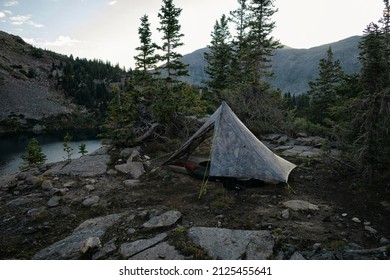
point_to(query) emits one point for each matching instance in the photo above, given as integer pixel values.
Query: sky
(108, 29)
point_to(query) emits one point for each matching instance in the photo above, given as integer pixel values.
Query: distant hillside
(25, 89)
(40, 89)
(293, 68)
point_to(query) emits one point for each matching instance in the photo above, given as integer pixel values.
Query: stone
(54, 201)
(54, 191)
(111, 172)
(88, 188)
(281, 140)
(135, 156)
(69, 247)
(126, 152)
(47, 185)
(384, 241)
(162, 251)
(89, 201)
(28, 199)
(91, 165)
(297, 256)
(285, 214)
(297, 205)
(35, 212)
(370, 230)
(130, 231)
(228, 244)
(132, 183)
(316, 247)
(344, 215)
(91, 181)
(33, 180)
(356, 220)
(130, 249)
(8, 182)
(123, 168)
(69, 184)
(90, 245)
(136, 169)
(167, 219)
(107, 248)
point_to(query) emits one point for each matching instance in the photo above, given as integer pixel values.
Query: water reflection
(13, 147)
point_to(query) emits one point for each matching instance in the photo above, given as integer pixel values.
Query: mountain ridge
(293, 68)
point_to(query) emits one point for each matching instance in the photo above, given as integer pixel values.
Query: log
(147, 134)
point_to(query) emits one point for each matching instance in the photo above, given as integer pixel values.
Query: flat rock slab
(25, 200)
(228, 244)
(69, 247)
(162, 251)
(165, 220)
(303, 151)
(92, 165)
(133, 248)
(300, 205)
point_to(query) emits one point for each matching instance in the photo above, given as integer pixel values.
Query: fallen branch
(147, 134)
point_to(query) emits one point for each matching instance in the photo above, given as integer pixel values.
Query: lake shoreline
(13, 147)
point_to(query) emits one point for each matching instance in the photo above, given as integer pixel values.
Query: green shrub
(33, 155)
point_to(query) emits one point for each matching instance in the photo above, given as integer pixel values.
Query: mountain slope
(293, 68)
(25, 90)
(43, 89)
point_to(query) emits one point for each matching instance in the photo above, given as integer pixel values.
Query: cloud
(11, 3)
(61, 41)
(111, 3)
(2, 14)
(21, 20)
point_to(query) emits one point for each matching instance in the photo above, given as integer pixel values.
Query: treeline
(156, 98)
(88, 82)
(353, 111)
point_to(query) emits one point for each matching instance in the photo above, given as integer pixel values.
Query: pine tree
(323, 91)
(374, 57)
(260, 43)
(368, 115)
(251, 96)
(146, 59)
(170, 28)
(33, 155)
(219, 57)
(122, 113)
(67, 147)
(239, 18)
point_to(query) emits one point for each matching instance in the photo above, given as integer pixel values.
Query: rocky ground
(119, 204)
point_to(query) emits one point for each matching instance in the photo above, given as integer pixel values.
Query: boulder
(297, 205)
(228, 244)
(8, 182)
(54, 201)
(90, 245)
(91, 165)
(132, 248)
(89, 201)
(165, 220)
(134, 156)
(162, 251)
(23, 200)
(47, 185)
(88, 188)
(69, 247)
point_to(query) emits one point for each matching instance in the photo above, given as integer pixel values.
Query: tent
(235, 151)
